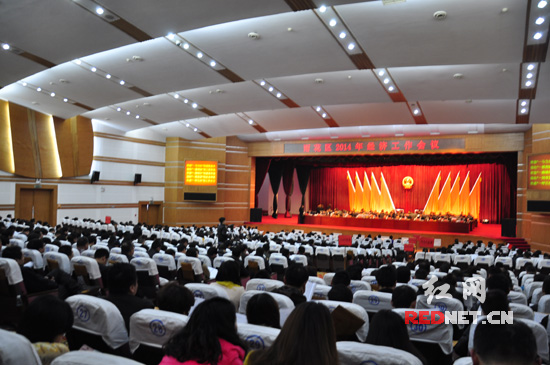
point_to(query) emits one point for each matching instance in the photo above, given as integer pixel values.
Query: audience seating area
(193, 256)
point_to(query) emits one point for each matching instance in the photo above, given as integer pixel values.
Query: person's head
(229, 271)
(403, 296)
(222, 220)
(36, 244)
(340, 293)
(263, 274)
(101, 255)
(192, 252)
(122, 279)
(127, 249)
(386, 277)
(176, 298)
(156, 245)
(46, 319)
(387, 328)
(499, 281)
(546, 285)
(495, 301)
(296, 276)
(341, 278)
(354, 272)
(403, 274)
(82, 243)
(421, 274)
(307, 337)
(263, 310)
(211, 320)
(504, 344)
(13, 252)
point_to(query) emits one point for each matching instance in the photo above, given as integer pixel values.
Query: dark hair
(192, 252)
(199, 339)
(546, 285)
(499, 281)
(505, 343)
(229, 271)
(386, 277)
(12, 252)
(46, 318)
(296, 275)
(100, 253)
(263, 274)
(126, 248)
(66, 249)
(341, 278)
(421, 274)
(354, 272)
(403, 296)
(121, 276)
(495, 300)
(263, 310)
(403, 274)
(341, 293)
(307, 337)
(35, 244)
(176, 298)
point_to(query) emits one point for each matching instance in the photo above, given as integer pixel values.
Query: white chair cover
(116, 257)
(465, 259)
(153, 327)
(537, 294)
(205, 260)
(91, 266)
(370, 279)
(12, 270)
(259, 260)
(442, 304)
(317, 280)
(443, 257)
(321, 291)
(263, 284)
(145, 264)
(489, 260)
(354, 353)
(543, 263)
(278, 259)
(35, 256)
(88, 253)
(205, 291)
(117, 250)
(544, 304)
(419, 256)
(17, 350)
(91, 358)
(283, 301)
(62, 260)
(357, 310)
(356, 285)
(517, 297)
(100, 317)
(320, 250)
(165, 260)
(328, 278)
(257, 337)
(218, 261)
(140, 254)
(195, 263)
(463, 361)
(522, 311)
(520, 262)
(300, 259)
(49, 247)
(441, 333)
(530, 288)
(506, 261)
(337, 251)
(372, 301)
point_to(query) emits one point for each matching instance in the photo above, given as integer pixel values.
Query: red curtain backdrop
(328, 186)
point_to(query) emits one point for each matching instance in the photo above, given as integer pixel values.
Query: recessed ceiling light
(539, 20)
(99, 10)
(523, 111)
(52, 94)
(122, 82)
(194, 105)
(39, 89)
(279, 95)
(128, 113)
(386, 80)
(108, 76)
(195, 129)
(416, 111)
(213, 63)
(537, 35)
(351, 46)
(270, 88)
(187, 125)
(318, 109)
(65, 100)
(262, 82)
(542, 4)
(342, 35)
(390, 88)
(137, 116)
(171, 36)
(332, 22)
(186, 46)
(93, 69)
(529, 75)
(250, 121)
(523, 103)
(380, 73)
(528, 83)
(185, 101)
(176, 96)
(24, 84)
(78, 62)
(324, 115)
(322, 9)
(530, 67)
(5, 46)
(118, 109)
(199, 54)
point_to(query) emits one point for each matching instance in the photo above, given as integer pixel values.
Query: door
(150, 213)
(37, 203)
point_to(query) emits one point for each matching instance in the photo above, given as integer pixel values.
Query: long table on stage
(405, 225)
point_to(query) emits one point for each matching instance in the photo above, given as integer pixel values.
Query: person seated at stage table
(295, 280)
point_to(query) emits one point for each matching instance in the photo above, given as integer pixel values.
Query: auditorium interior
(281, 115)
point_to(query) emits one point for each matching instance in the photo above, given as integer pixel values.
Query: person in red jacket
(210, 337)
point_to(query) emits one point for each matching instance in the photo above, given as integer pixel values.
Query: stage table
(404, 225)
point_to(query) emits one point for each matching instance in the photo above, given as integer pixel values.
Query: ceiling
(459, 72)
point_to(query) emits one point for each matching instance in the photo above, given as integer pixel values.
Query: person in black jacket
(33, 281)
(296, 278)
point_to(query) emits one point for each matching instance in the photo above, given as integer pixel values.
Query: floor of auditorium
(484, 232)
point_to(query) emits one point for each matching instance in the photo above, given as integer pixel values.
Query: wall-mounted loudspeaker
(137, 179)
(95, 177)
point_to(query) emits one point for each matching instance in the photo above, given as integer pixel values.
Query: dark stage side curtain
(303, 179)
(262, 165)
(275, 174)
(328, 185)
(288, 185)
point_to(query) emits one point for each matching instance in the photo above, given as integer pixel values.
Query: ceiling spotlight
(322, 9)
(537, 35)
(176, 96)
(528, 83)
(99, 10)
(381, 73)
(185, 101)
(523, 103)
(122, 82)
(342, 35)
(213, 63)
(250, 121)
(78, 62)
(270, 88)
(24, 84)
(416, 111)
(332, 22)
(195, 129)
(137, 116)
(390, 88)
(279, 95)
(542, 4)
(93, 69)
(39, 89)
(324, 115)
(128, 113)
(118, 109)
(5, 46)
(171, 36)
(187, 125)
(539, 20)
(529, 75)
(194, 105)
(52, 94)
(531, 67)
(65, 100)
(108, 76)
(351, 46)
(186, 46)
(199, 54)
(262, 82)
(386, 80)
(523, 111)
(318, 109)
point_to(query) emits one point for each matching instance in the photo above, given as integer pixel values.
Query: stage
(484, 232)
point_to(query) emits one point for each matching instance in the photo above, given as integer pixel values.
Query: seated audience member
(403, 274)
(123, 286)
(228, 278)
(386, 278)
(101, 255)
(67, 250)
(307, 338)
(354, 272)
(33, 281)
(387, 328)
(36, 244)
(82, 244)
(504, 344)
(176, 298)
(210, 337)
(403, 296)
(156, 246)
(341, 278)
(263, 274)
(192, 252)
(421, 274)
(127, 249)
(499, 281)
(340, 293)
(263, 310)
(295, 280)
(44, 323)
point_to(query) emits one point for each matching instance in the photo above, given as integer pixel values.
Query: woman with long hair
(210, 337)
(387, 328)
(229, 280)
(307, 338)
